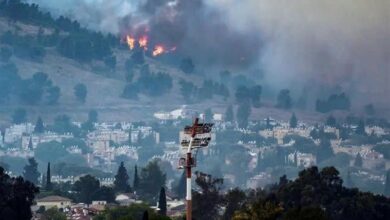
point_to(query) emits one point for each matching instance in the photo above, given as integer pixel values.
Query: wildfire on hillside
(143, 42)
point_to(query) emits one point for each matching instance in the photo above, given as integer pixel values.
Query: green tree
(208, 198)
(229, 115)
(121, 179)
(30, 172)
(50, 151)
(360, 130)
(19, 116)
(80, 91)
(53, 94)
(136, 179)
(387, 184)
(234, 200)
(358, 161)
(187, 65)
(324, 150)
(93, 116)
(145, 215)
(162, 202)
(39, 127)
(293, 121)
(53, 214)
(181, 186)
(17, 197)
(48, 184)
(30, 144)
(243, 113)
(152, 178)
(86, 188)
(284, 99)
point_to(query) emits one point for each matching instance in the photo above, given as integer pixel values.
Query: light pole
(195, 141)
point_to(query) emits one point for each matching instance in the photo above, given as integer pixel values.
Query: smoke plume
(300, 43)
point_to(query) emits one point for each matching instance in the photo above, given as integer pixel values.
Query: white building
(15, 132)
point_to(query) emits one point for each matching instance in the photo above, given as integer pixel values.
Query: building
(54, 201)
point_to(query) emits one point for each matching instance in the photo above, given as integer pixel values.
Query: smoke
(194, 28)
(297, 43)
(319, 42)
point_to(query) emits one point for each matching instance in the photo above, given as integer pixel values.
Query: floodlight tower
(188, 162)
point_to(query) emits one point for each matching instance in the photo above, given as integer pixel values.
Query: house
(126, 199)
(54, 201)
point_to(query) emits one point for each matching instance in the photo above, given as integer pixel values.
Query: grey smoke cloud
(297, 42)
(193, 27)
(343, 42)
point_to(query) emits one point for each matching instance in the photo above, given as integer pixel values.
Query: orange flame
(158, 49)
(143, 42)
(130, 41)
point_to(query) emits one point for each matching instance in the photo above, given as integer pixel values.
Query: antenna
(195, 136)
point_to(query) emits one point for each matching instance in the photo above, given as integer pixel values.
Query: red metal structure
(188, 162)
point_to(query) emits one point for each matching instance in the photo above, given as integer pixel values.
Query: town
(248, 157)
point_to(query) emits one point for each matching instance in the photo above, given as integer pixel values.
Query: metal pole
(189, 196)
(188, 172)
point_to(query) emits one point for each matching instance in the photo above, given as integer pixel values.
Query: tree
(284, 100)
(229, 115)
(121, 179)
(181, 186)
(387, 184)
(293, 121)
(30, 172)
(86, 188)
(331, 121)
(53, 94)
(19, 116)
(145, 215)
(187, 66)
(39, 127)
(234, 201)
(93, 116)
(53, 214)
(80, 91)
(360, 130)
(324, 151)
(152, 178)
(30, 144)
(48, 184)
(358, 161)
(16, 197)
(106, 194)
(243, 113)
(208, 198)
(162, 202)
(136, 179)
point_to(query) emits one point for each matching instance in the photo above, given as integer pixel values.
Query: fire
(130, 41)
(158, 49)
(143, 42)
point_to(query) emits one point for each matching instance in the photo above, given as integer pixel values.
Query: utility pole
(188, 162)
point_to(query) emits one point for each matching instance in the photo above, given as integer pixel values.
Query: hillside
(70, 54)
